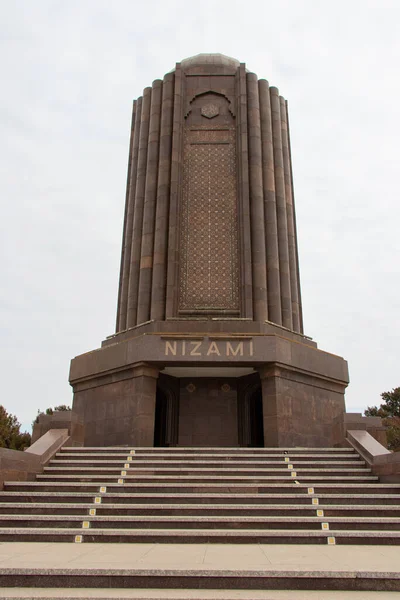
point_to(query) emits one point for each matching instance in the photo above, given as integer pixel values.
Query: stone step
(82, 509)
(202, 495)
(200, 488)
(131, 477)
(116, 522)
(297, 499)
(201, 594)
(209, 473)
(190, 458)
(193, 465)
(205, 450)
(188, 536)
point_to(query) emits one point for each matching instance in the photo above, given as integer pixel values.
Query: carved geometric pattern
(210, 111)
(209, 267)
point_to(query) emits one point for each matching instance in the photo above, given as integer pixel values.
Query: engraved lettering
(213, 349)
(170, 347)
(217, 348)
(193, 351)
(230, 350)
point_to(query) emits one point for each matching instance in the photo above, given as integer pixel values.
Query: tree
(389, 411)
(50, 411)
(10, 435)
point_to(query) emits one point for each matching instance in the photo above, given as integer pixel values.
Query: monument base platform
(209, 383)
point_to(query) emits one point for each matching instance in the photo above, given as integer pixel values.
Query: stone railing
(60, 419)
(16, 465)
(383, 462)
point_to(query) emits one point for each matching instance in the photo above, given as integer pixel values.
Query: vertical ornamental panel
(208, 248)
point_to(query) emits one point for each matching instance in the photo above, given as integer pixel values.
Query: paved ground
(244, 557)
(60, 594)
(308, 560)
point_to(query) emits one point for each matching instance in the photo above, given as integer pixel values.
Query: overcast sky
(69, 72)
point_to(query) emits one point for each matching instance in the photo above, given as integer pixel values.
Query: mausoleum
(209, 348)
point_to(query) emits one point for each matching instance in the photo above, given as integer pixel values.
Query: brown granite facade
(209, 346)
(209, 219)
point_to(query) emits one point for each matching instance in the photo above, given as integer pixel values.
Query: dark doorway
(167, 411)
(256, 419)
(250, 412)
(160, 424)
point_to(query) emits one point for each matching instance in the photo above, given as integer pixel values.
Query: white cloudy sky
(69, 72)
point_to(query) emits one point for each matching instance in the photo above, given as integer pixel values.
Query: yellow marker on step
(287, 459)
(126, 466)
(123, 473)
(97, 500)
(78, 539)
(293, 474)
(320, 513)
(310, 490)
(315, 501)
(325, 526)
(103, 489)
(85, 525)
(92, 512)
(120, 481)
(331, 541)
(290, 466)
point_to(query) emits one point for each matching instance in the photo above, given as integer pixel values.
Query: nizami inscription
(229, 349)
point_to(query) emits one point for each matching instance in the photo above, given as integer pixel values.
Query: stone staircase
(195, 495)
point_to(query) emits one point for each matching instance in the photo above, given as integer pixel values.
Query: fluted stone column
(260, 302)
(146, 253)
(128, 222)
(128, 183)
(290, 218)
(271, 228)
(138, 212)
(286, 299)
(176, 167)
(158, 289)
(301, 329)
(244, 193)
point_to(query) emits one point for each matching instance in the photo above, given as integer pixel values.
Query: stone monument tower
(209, 348)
